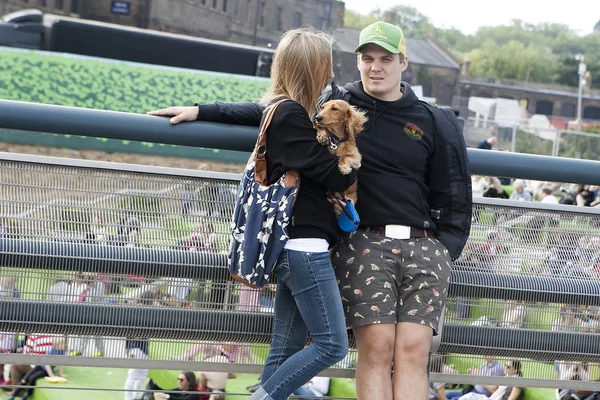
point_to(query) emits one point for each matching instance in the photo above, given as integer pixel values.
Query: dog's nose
(319, 118)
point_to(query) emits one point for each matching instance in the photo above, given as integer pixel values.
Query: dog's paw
(353, 160)
(322, 137)
(355, 164)
(344, 168)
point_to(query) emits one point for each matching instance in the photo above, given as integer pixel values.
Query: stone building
(229, 20)
(63, 7)
(558, 102)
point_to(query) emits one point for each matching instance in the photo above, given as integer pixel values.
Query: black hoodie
(396, 144)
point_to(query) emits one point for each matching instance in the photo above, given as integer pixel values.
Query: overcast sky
(468, 15)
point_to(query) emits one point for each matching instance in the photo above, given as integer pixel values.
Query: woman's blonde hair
(301, 67)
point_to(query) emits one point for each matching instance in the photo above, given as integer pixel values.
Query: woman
(186, 382)
(513, 369)
(307, 297)
(40, 371)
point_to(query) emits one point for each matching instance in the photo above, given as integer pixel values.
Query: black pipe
(139, 127)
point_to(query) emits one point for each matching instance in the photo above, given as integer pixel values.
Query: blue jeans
(307, 300)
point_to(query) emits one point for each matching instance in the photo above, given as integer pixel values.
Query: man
(548, 197)
(487, 144)
(413, 184)
(520, 194)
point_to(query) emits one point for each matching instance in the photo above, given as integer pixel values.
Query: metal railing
(159, 235)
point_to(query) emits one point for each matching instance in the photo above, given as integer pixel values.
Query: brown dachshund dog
(338, 124)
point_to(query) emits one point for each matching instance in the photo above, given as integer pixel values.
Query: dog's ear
(356, 120)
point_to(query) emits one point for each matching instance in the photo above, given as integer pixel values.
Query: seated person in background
(520, 194)
(35, 344)
(513, 369)
(569, 192)
(216, 381)
(555, 189)
(478, 185)
(587, 196)
(186, 382)
(135, 376)
(514, 314)
(575, 371)
(489, 367)
(487, 144)
(203, 387)
(548, 197)
(318, 386)
(494, 189)
(58, 348)
(437, 390)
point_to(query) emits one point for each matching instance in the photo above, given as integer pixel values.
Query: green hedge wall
(54, 78)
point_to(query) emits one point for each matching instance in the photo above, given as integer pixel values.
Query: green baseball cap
(388, 36)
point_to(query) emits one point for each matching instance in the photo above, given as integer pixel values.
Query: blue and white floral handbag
(261, 217)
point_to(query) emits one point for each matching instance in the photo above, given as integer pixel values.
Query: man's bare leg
(375, 345)
(411, 354)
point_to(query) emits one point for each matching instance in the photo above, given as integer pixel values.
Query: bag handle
(260, 150)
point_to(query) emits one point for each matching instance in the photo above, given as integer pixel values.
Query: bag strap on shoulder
(260, 150)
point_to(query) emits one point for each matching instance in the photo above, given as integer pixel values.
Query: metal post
(581, 73)
(513, 142)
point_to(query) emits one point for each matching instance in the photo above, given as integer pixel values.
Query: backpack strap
(260, 150)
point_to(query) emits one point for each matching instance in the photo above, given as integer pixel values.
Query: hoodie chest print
(413, 131)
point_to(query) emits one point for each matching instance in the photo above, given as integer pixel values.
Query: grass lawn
(102, 378)
(340, 387)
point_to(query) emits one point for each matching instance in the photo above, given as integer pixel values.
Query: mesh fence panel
(516, 246)
(114, 260)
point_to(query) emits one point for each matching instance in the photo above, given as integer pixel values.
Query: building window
(224, 6)
(567, 110)
(75, 6)
(297, 20)
(544, 107)
(214, 4)
(591, 112)
(58, 4)
(277, 22)
(43, 3)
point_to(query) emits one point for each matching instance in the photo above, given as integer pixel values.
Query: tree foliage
(542, 53)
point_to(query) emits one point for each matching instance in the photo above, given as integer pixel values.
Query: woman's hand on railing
(178, 114)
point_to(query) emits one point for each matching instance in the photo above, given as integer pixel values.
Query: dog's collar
(334, 140)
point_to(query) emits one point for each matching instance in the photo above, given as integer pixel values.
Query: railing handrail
(139, 127)
(150, 262)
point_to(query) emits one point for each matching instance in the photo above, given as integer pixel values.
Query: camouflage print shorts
(384, 280)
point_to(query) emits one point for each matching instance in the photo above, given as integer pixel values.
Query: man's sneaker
(98, 354)
(74, 353)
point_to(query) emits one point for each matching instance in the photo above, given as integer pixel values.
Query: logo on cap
(378, 29)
